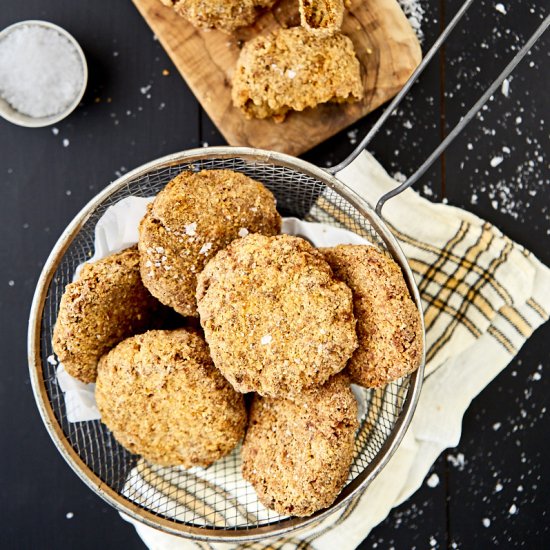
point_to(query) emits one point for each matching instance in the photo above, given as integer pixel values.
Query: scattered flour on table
(40, 71)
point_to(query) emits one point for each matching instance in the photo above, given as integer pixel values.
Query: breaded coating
(192, 218)
(292, 69)
(225, 15)
(388, 322)
(297, 455)
(106, 304)
(273, 315)
(161, 396)
(322, 16)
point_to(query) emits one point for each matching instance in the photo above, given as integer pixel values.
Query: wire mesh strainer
(218, 505)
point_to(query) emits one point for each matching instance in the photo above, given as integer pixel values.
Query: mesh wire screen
(218, 497)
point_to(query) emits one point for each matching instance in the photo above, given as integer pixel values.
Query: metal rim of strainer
(55, 430)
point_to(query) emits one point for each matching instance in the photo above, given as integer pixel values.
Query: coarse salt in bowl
(43, 73)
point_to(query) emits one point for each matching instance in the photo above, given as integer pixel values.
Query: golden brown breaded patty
(388, 322)
(292, 69)
(297, 455)
(226, 15)
(106, 304)
(273, 315)
(322, 16)
(192, 218)
(161, 396)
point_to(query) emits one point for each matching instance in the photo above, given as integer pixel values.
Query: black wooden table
(494, 488)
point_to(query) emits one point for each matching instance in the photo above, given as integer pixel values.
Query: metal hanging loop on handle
(467, 118)
(403, 92)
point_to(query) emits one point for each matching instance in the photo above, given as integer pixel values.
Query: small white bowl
(10, 114)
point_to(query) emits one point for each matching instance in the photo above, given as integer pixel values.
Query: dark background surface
(503, 457)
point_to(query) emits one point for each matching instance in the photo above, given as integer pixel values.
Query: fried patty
(293, 69)
(322, 16)
(273, 315)
(225, 15)
(161, 396)
(106, 304)
(194, 216)
(388, 323)
(297, 454)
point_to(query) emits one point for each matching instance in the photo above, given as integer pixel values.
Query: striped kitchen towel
(483, 296)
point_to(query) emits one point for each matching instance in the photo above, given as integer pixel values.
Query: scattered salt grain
(506, 150)
(536, 376)
(145, 89)
(433, 480)
(496, 426)
(486, 522)
(500, 8)
(52, 360)
(505, 88)
(291, 74)
(55, 131)
(40, 71)
(11, 282)
(457, 461)
(415, 14)
(495, 161)
(66, 142)
(267, 339)
(352, 135)
(205, 248)
(498, 487)
(69, 515)
(191, 229)
(243, 232)
(399, 177)
(513, 509)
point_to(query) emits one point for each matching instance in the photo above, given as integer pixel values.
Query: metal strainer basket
(216, 504)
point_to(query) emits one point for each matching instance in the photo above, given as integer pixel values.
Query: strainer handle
(467, 117)
(463, 122)
(389, 110)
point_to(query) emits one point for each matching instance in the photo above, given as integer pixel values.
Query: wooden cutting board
(385, 43)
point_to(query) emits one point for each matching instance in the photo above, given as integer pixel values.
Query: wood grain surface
(386, 47)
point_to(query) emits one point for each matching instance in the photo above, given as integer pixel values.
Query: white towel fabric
(483, 296)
